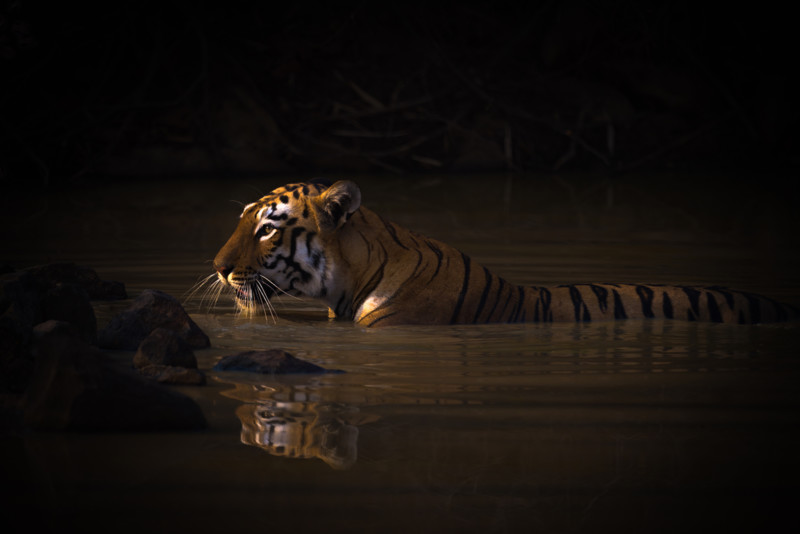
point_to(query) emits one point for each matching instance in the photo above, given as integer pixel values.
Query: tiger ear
(336, 203)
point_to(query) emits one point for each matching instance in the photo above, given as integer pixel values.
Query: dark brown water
(637, 426)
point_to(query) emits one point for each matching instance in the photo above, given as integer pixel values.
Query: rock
(170, 374)
(165, 357)
(74, 387)
(164, 347)
(85, 277)
(16, 363)
(33, 296)
(70, 302)
(21, 301)
(150, 310)
(272, 361)
(27, 299)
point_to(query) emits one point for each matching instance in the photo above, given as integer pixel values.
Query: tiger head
(279, 245)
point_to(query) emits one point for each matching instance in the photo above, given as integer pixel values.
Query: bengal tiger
(316, 239)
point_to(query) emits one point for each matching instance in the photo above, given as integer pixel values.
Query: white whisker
(205, 284)
(248, 295)
(266, 304)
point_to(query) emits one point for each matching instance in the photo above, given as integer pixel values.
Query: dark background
(174, 88)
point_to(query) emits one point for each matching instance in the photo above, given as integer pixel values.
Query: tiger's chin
(249, 308)
(252, 300)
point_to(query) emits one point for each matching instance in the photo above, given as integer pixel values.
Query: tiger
(316, 239)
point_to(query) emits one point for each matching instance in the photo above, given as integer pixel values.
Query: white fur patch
(247, 208)
(272, 233)
(369, 305)
(271, 213)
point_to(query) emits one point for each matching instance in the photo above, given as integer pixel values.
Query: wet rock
(165, 357)
(272, 361)
(74, 387)
(170, 374)
(150, 310)
(164, 347)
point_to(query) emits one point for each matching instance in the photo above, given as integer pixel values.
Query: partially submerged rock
(272, 361)
(152, 309)
(165, 357)
(73, 387)
(164, 347)
(53, 378)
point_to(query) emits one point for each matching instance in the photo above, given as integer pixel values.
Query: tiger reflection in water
(298, 430)
(297, 427)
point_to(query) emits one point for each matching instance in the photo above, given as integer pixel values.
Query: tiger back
(317, 240)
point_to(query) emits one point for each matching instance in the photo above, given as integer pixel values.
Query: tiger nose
(223, 271)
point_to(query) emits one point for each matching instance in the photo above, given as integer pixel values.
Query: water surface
(639, 426)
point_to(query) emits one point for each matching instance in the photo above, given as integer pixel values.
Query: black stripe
(694, 302)
(338, 310)
(281, 217)
(484, 295)
(646, 296)
(310, 252)
(729, 299)
(514, 312)
(602, 296)
(416, 272)
(464, 286)
(392, 232)
(502, 317)
(781, 314)
(370, 286)
(546, 298)
(500, 284)
(754, 307)
(367, 244)
(667, 306)
(713, 308)
(439, 255)
(619, 308)
(577, 301)
(290, 261)
(520, 304)
(381, 318)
